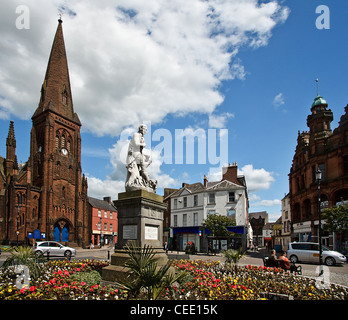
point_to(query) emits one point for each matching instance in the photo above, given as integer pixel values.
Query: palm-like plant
(145, 274)
(232, 257)
(23, 256)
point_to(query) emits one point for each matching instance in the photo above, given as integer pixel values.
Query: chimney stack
(205, 181)
(230, 173)
(107, 199)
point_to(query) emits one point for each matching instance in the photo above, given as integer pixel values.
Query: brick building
(322, 148)
(104, 221)
(46, 198)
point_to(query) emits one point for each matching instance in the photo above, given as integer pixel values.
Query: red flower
(32, 288)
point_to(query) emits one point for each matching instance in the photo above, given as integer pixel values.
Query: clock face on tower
(64, 152)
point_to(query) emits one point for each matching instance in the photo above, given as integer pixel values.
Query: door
(55, 249)
(65, 234)
(56, 232)
(313, 253)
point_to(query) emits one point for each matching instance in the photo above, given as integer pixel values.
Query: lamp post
(101, 232)
(318, 176)
(17, 231)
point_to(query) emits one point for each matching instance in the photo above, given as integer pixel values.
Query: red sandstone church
(46, 198)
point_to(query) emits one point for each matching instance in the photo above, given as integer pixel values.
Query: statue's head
(142, 128)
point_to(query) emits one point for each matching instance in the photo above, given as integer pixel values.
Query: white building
(286, 223)
(192, 204)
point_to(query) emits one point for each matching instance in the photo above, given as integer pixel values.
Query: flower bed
(212, 280)
(57, 282)
(205, 280)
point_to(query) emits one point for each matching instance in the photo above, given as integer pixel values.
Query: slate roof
(101, 204)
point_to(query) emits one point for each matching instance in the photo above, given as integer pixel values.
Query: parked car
(54, 249)
(309, 252)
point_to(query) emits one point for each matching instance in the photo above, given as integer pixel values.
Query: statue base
(140, 219)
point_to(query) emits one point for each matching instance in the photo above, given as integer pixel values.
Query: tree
(336, 219)
(218, 224)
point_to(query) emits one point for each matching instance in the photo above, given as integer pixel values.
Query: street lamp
(17, 231)
(318, 176)
(100, 224)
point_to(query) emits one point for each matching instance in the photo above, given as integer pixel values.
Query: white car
(54, 249)
(309, 252)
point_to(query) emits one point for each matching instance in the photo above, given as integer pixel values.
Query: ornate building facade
(46, 198)
(322, 148)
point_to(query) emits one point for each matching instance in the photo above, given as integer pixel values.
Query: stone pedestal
(140, 219)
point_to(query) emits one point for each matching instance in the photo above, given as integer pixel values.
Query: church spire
(56, 91)
(11, 143)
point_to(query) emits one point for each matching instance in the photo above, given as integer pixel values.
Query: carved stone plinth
(140, 218)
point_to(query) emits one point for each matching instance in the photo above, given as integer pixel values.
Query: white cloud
(98, 188)
(266, 203)
(219, 121)
(256, 179)
(132, 60)
(278, 100)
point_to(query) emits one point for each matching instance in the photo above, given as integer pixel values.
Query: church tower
(55, 154)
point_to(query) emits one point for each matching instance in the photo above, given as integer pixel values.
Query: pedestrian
(165, 247)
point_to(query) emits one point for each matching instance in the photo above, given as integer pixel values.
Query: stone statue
(137, 162)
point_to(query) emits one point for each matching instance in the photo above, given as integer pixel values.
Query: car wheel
(67, 254)
(329, 261)
(293, 258)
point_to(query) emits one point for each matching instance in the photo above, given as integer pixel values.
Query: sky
(235, 77)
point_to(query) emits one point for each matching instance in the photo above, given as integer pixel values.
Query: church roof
(55, 91)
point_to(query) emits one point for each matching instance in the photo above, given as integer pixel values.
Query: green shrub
(90, 278)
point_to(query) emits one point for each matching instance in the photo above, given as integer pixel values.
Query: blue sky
(246, 66)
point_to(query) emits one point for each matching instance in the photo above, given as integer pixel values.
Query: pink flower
(83, 283)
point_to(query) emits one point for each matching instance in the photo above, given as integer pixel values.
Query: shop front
(182, 236)
(302, 232)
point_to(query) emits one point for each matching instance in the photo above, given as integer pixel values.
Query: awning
(235, 229)
(186, 230)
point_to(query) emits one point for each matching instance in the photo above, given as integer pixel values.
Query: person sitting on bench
(284, 263)
(272, 260)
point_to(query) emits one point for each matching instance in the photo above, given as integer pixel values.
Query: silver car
(54, 249)
(309, 252)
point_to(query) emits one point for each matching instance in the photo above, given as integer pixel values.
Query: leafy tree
(218, 224)
(336, 219)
